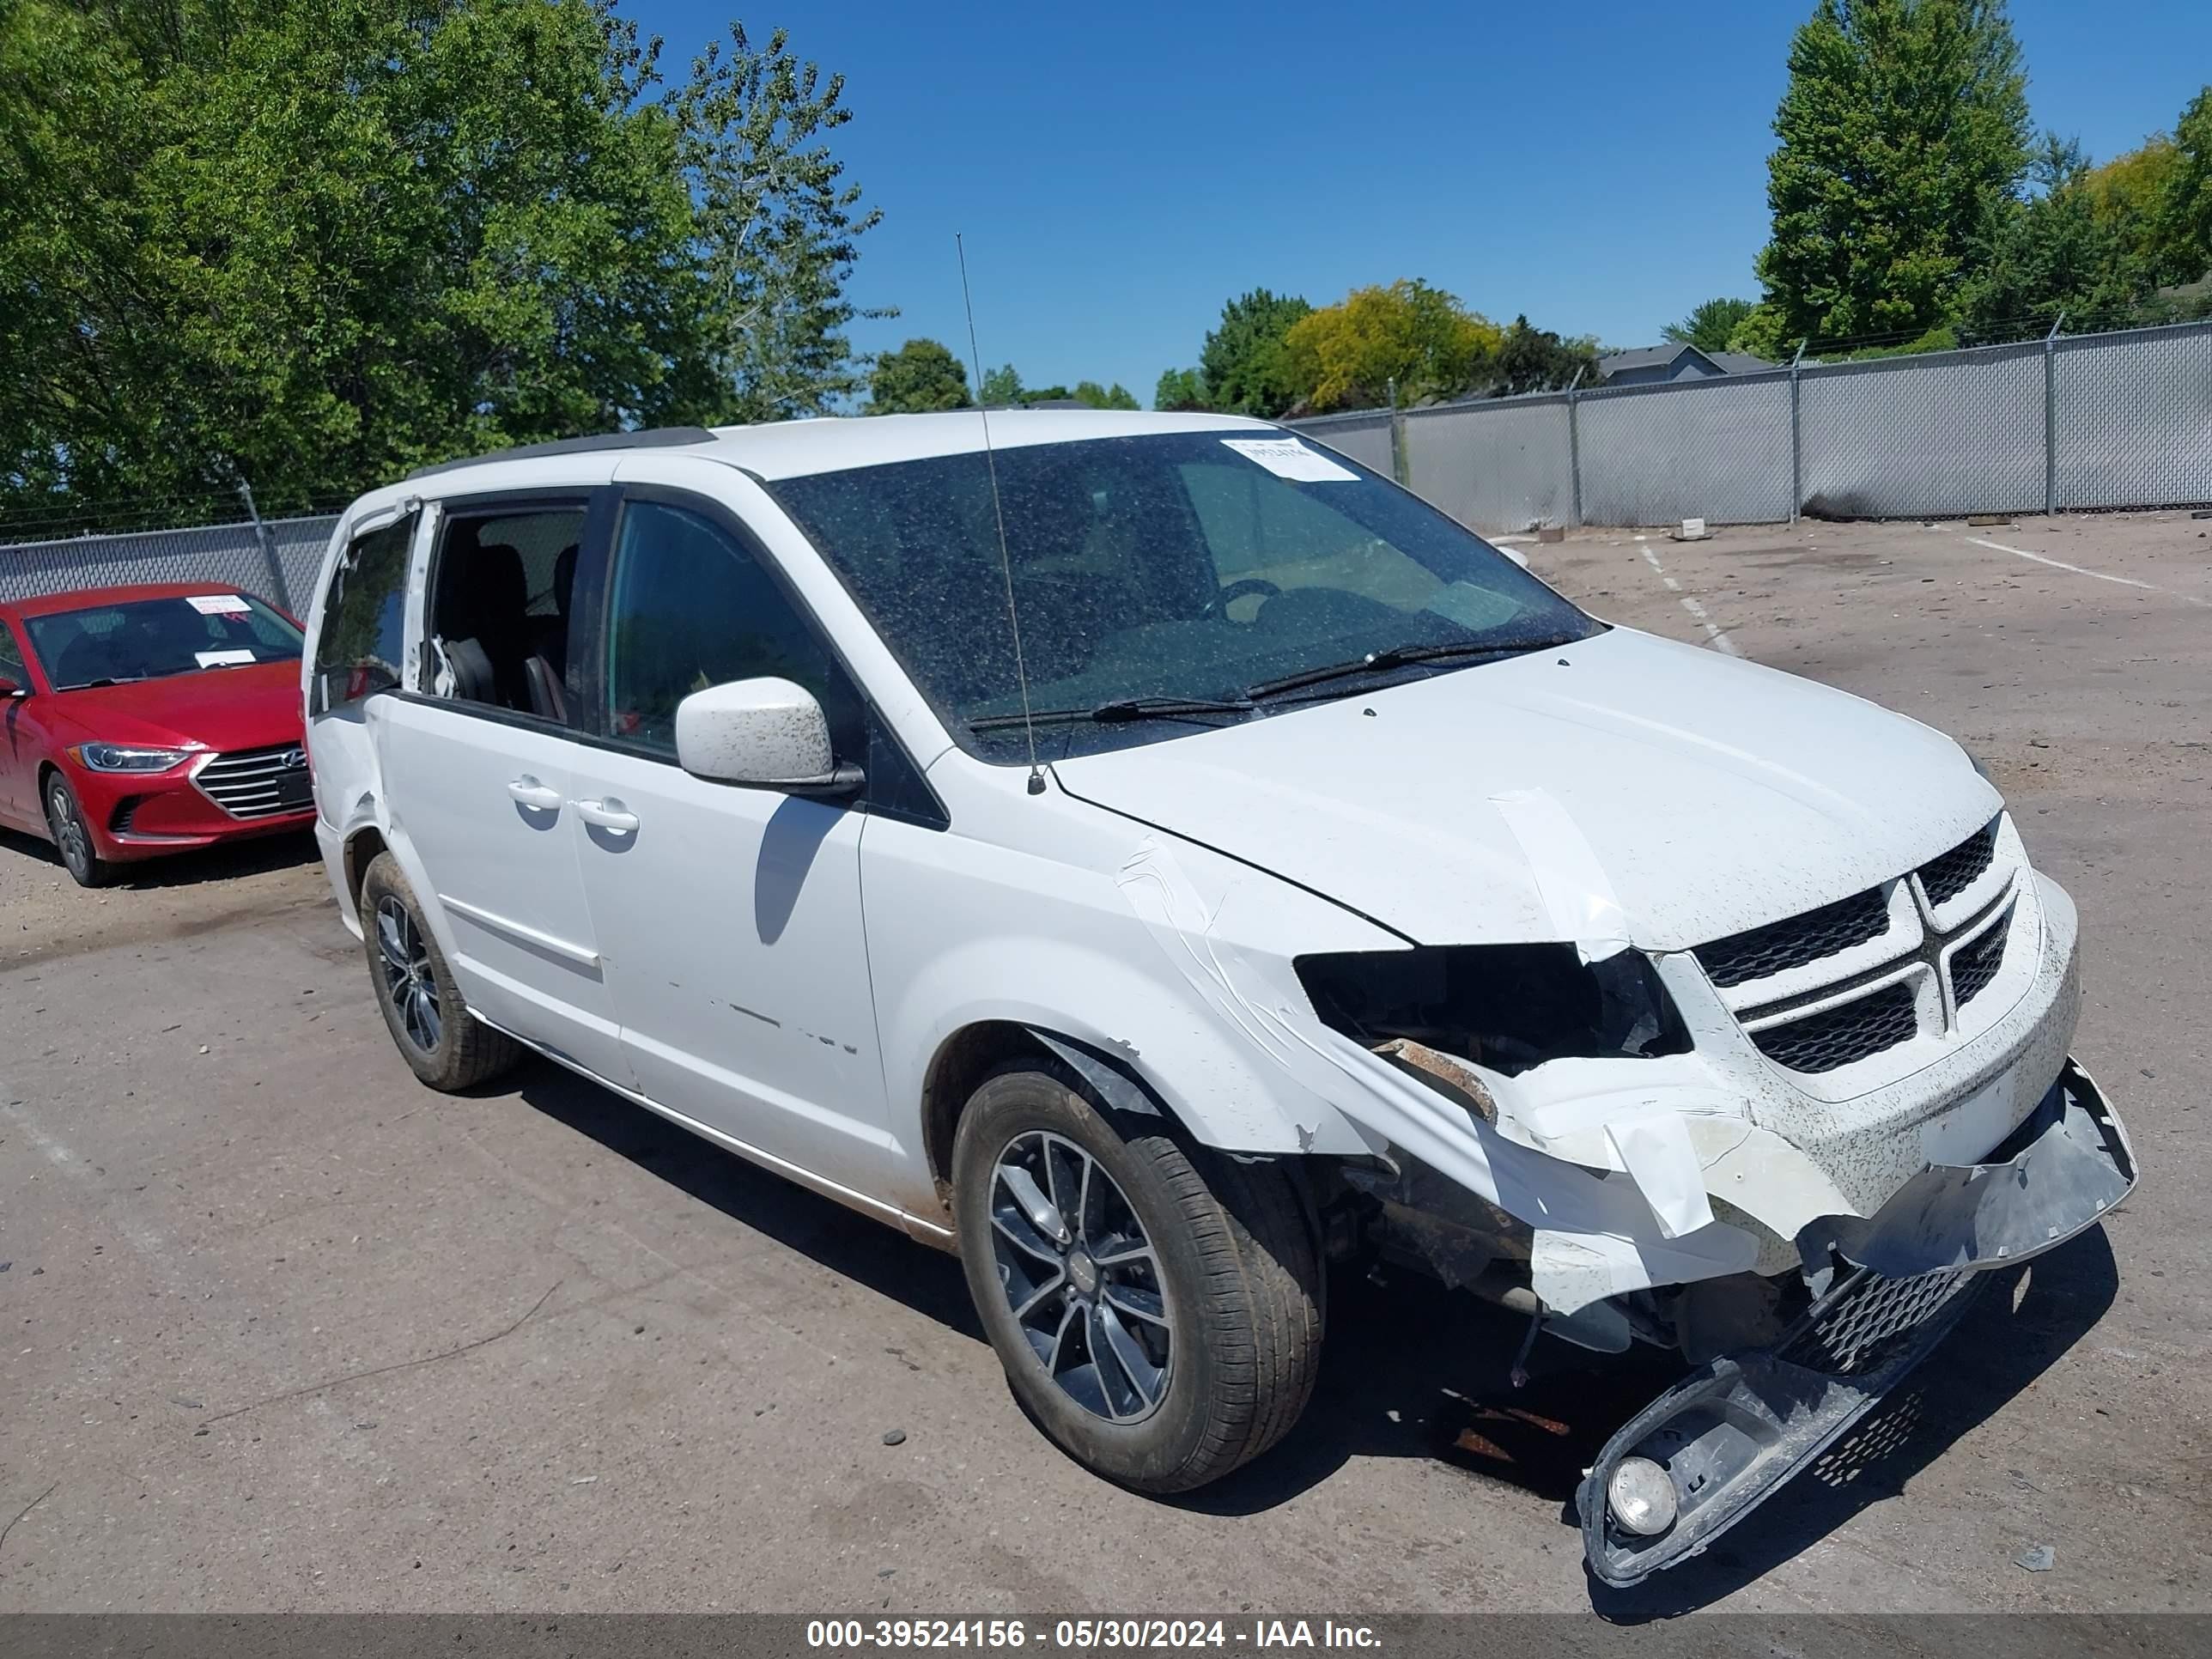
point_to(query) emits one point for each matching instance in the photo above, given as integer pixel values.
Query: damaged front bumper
(1728, 1436)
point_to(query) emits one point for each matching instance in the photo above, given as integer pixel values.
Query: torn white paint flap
(1656, 1151)
(1576, 892)
(1571, 1270)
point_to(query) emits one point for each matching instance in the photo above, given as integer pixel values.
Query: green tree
(1244, 362)
(2058, 253)
(776, 224)
(1347, 354)
(1710, 326)
(1002, 388)
(1904, 126)
(1092, 395)
(1537, 360)
(315, 245)
(1760, 334)
(1046, 394)
(919, 378)
(1181, 389)
(2184, 227)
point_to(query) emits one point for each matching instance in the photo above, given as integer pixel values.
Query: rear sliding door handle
(534, 795)
(608, 814)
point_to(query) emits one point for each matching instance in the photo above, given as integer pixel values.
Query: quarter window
(364, 617)
(691, 609)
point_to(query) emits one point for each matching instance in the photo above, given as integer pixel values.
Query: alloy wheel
(404, 958)
(1080, 1276)
(71, 839)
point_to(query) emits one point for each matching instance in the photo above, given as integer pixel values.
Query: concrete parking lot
(282, 1330)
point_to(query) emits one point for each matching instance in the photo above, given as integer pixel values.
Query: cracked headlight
(126, 757)
(1505, 1006)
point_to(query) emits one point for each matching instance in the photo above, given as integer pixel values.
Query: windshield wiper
(1120, 708)
(1397, 656)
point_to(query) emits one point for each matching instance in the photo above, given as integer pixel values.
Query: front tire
(1158, 1308)
(445, 1045)
(72, 836)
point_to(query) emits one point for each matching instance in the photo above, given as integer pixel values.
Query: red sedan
(138, 721)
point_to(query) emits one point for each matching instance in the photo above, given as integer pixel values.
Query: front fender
(1067, 950)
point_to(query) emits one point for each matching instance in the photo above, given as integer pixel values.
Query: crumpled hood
(1685, 794)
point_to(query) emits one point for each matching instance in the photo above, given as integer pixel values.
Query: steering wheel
(1218, 605)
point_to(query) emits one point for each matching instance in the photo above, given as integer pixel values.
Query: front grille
(1868, 1320)
(256, 783)
(1796, 940)
(1946, 878)
(1836, 1037)
(1975, 966)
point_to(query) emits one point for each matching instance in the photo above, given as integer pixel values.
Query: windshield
(1211, 567)
(149, 639)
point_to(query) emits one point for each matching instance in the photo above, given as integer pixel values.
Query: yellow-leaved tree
(1345, 356)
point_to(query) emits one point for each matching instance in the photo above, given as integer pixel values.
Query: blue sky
(1120, 171)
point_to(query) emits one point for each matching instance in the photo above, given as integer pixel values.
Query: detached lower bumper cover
(1732, 1433)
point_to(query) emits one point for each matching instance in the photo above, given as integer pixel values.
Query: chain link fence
(277, 559)
(1365, 437)
(2097, 421)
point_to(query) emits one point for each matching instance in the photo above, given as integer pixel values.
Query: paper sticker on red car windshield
(217, 605)
(1286, 457)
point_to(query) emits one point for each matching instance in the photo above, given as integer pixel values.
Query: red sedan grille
(257, 783)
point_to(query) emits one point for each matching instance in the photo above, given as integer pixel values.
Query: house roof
(1659, 356)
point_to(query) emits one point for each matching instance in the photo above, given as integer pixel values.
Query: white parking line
(2061, 564)
(1719, 641)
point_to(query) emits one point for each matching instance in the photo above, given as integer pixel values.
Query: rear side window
(364, 618)
(504, 587)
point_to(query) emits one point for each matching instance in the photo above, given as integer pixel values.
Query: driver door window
(691, 609)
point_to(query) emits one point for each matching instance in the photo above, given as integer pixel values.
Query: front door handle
(534, 795)
(608, 814)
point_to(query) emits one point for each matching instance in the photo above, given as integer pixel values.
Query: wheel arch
(972, 1053)
(362, 846)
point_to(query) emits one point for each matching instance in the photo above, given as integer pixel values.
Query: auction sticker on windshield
(1286, 457)
(217, 605)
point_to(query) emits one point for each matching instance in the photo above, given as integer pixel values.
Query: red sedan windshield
(150, 639)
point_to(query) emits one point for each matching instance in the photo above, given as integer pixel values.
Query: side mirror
(10, 688)
(767, 732)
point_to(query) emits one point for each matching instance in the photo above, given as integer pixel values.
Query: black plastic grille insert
(1796, 940)
(1858, 1330)
(1974, 967)
(1836, 1037)
(1952, 874)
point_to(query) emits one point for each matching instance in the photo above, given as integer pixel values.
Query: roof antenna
(1005, 559)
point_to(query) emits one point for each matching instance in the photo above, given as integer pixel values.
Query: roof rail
(651, 437)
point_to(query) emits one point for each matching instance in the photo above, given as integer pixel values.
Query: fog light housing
(1641, 1495)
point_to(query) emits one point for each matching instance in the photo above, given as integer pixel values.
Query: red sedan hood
(249, 708)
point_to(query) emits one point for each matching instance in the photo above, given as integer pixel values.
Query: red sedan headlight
(126, 757)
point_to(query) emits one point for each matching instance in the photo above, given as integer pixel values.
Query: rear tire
(446, 1047)
(1222, 1358)
(72, 836)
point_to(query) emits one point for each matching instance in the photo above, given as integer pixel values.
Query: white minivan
(1156, 858)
